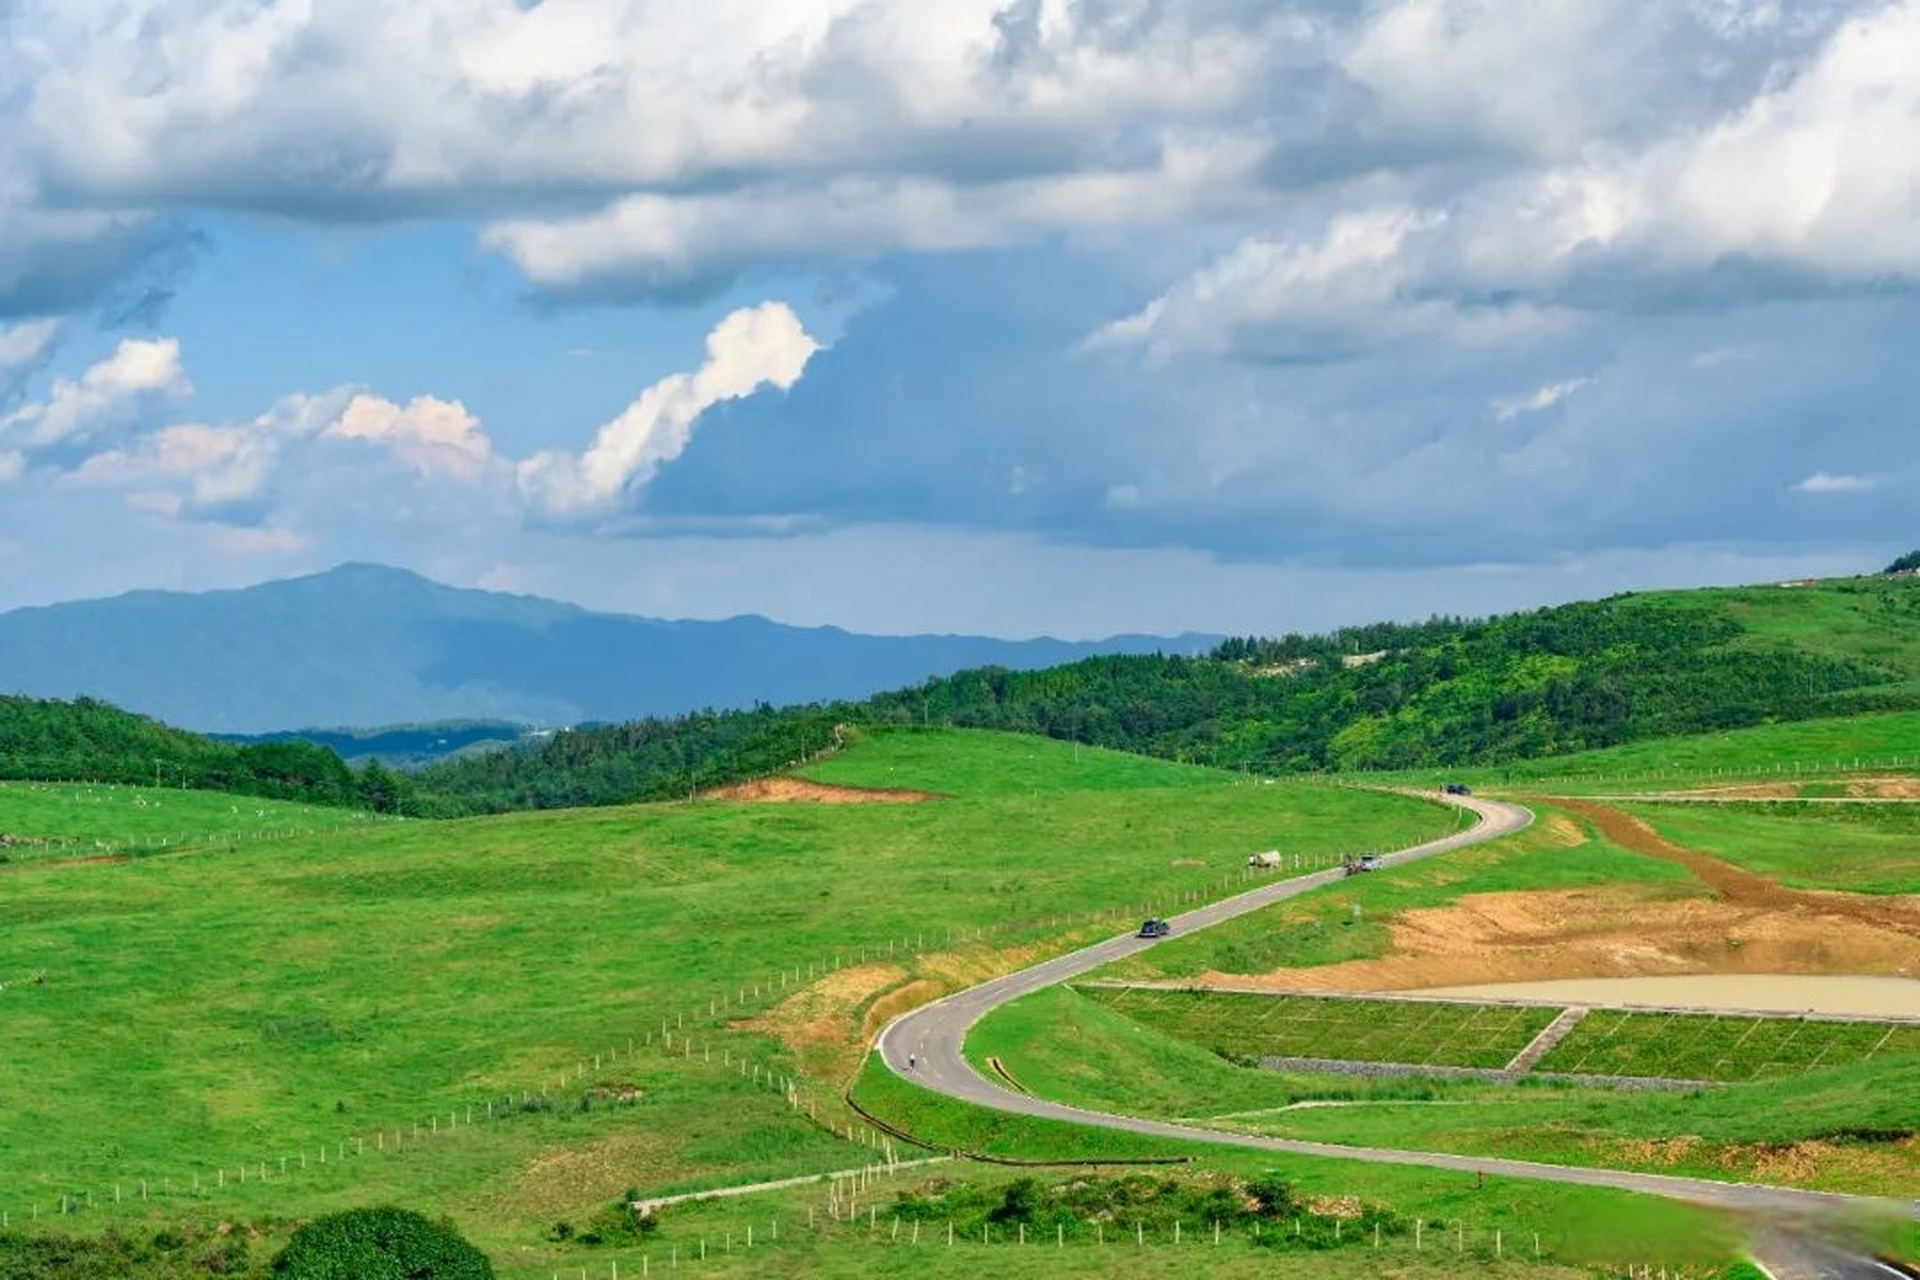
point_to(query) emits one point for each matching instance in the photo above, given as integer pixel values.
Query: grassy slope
(1245, 1026)
(1856, 848)
(1575, 1222)
(245, 1004)
(142, 818)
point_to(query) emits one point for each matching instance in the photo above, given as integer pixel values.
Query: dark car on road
(1458, 789)
(1155, 928)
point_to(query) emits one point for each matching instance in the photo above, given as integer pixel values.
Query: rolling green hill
(387, 995)
(1448, 692)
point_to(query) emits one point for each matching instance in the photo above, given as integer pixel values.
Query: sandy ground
(1770, 992)
(1888, 787)
(1747, 925)
(801, 791)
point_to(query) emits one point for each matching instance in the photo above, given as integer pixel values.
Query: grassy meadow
(1721, 1047)
(77, 819)
(196, 1021)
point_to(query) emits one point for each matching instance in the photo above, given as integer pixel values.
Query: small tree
(1906, 563)
(380, 1244)
(379, 789)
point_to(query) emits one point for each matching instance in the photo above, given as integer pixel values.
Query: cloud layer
(1413, 282)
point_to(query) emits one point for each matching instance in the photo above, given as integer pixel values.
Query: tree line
(89, 740)
(1449, 691)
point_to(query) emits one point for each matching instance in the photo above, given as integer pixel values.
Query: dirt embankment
(829, 1024)
(802, 791)
(1748, 924)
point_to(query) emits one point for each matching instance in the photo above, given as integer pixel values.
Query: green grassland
(1720, 1047)
(1062, 1045)
(63, 819)
(1858, 848)
(1578, 1224)
(1324, 928)
(1807, 749)
(1241, 1026)
(202, 1016)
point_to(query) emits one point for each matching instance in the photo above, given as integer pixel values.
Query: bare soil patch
(1893, 788)
(565, 1181)
(1609, 932)
(821, 1022)
(1745, 888)
(1564, 831)
(803, 791)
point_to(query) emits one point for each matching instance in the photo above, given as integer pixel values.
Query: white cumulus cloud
(752, 348)
(106, 395)
(434, 437)
(196, 467)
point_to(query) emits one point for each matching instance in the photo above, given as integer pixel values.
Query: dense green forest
(1447, 691)
(1908, 563)
(641, 760)
(86, 740)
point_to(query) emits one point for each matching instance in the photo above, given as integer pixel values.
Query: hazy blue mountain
(368, 645)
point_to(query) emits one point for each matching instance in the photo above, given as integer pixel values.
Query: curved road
(925, 1046)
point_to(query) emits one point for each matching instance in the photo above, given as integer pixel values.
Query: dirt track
(1744, 888)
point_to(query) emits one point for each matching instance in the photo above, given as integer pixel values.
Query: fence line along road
(925, 1046)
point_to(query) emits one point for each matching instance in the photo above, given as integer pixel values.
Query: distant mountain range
(366, 645)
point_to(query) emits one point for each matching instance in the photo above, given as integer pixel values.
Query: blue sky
(1011, 316)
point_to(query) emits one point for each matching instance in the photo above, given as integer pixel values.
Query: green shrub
(380, 1244)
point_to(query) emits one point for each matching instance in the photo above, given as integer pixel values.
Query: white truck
(1270, 858)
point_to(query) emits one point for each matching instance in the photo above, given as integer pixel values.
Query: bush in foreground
(380, 1244)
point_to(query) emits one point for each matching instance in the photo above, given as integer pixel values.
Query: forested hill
(1449, 691)
(91, 741)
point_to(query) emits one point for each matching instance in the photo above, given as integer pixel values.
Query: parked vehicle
(1155, 928)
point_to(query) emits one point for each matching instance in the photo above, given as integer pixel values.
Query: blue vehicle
(1155, 928)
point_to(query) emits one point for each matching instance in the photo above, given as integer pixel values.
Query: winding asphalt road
(925, 1046)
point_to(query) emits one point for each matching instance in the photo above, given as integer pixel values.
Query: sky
(997, 316)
